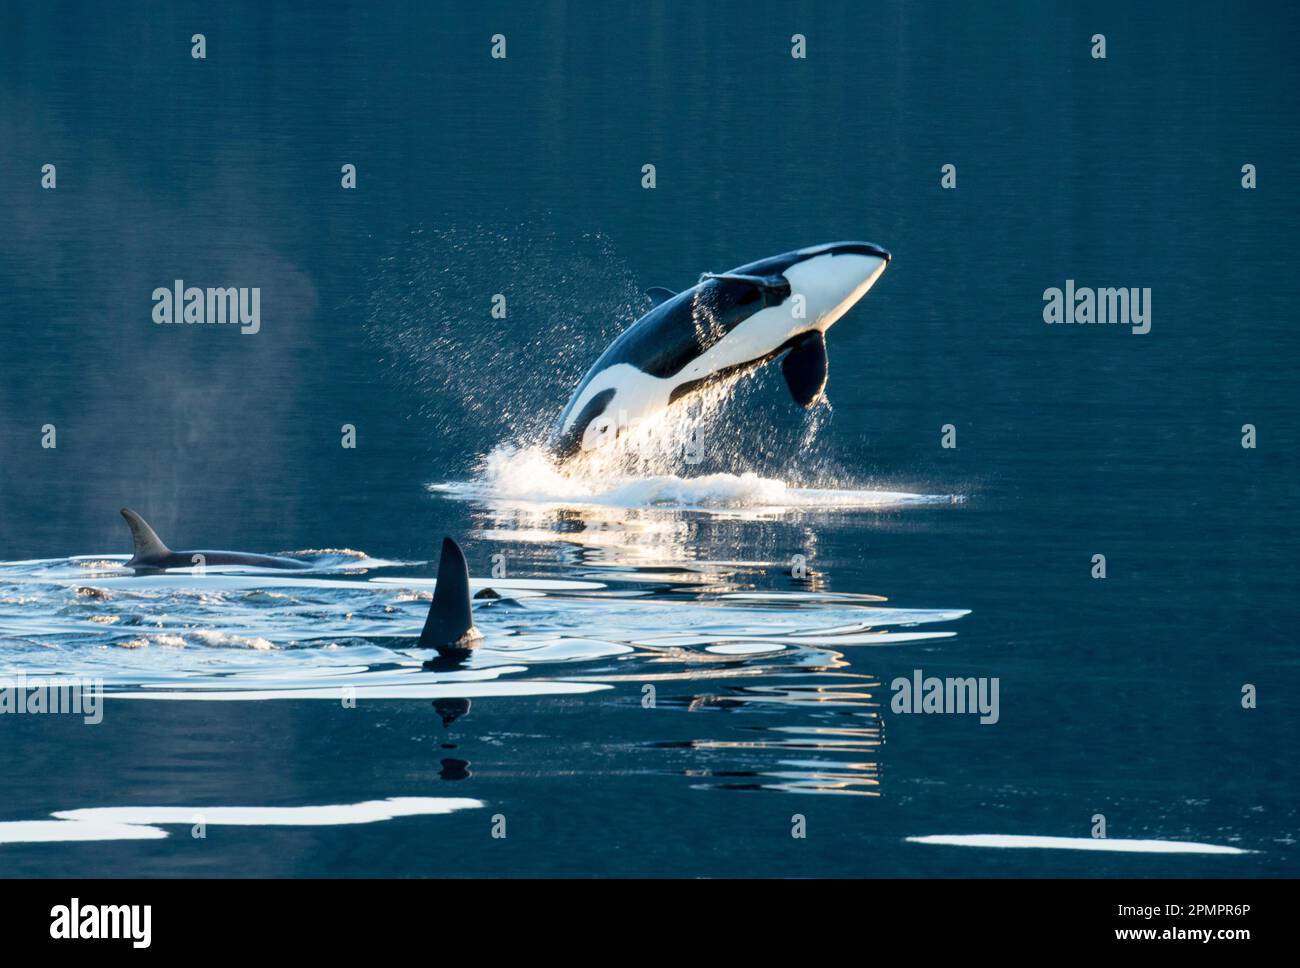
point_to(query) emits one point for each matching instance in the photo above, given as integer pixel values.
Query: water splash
(513, 474)
(430, 317)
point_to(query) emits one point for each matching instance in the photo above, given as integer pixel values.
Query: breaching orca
(152, 555)
(449, 628)
(728, 323)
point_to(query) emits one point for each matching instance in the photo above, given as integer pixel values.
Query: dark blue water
(522, 176)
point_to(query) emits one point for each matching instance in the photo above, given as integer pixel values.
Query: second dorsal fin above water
(449, 627)
(147, 545)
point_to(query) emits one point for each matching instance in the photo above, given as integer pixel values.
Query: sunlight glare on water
(345, 630)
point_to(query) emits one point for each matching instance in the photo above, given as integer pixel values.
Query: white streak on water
(1077, 843)
(432, 690)
(531, 584)
(327, 815)
(56, 831)
(140, 823)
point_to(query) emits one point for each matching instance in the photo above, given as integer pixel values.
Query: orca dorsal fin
(806, 368)
(659, 295)
(775, 289)
(450, 625)
(148, 546)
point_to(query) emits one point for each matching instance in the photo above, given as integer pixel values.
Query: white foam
(527, 475)
(1077, 843)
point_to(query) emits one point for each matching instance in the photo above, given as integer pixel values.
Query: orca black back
(152, 555)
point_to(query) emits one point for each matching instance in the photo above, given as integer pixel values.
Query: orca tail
(450, 626)
(148, 546)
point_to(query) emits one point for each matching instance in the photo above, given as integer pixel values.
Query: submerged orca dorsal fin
(806, 368)
(450, 625)
(148, 545)
(659, 295)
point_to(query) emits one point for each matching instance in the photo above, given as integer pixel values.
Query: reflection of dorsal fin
(147, 544)
(659, 295)
(450, 625)
(805, 368)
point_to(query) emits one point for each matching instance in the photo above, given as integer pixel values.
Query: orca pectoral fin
(146, 543)
(805, 368)
(659, 295)
(449, 627)
(775, 289)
